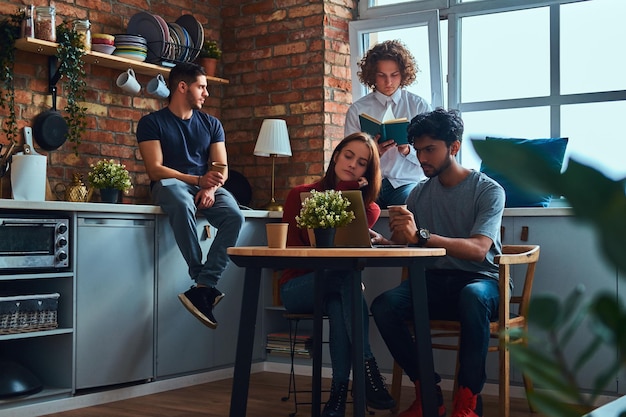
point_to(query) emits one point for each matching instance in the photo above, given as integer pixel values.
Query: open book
(393, 129)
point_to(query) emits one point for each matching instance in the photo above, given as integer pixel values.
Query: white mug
(127, 82)
(157, 87)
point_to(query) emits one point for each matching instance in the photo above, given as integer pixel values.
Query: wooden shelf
(42, 47)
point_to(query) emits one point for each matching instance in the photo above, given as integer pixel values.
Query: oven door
(33, 243)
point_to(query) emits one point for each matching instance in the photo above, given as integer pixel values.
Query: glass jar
(82, 27)
(28, 25)
(45, 23)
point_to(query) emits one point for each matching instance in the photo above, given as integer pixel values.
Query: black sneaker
(216, 296)
(200, 301)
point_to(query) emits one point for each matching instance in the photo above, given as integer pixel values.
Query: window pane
(528, 123)
(505, 55)
(596, 135)
(591, 55)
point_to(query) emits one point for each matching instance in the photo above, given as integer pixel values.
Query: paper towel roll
(28, 177)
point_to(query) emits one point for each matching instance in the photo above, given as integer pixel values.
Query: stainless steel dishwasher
(115, 276)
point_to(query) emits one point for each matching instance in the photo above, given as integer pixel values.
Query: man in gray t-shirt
(460, 210)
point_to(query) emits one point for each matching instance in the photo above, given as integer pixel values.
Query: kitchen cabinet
(184, 345)
(115, 274)
(48, 48)
(47, 354)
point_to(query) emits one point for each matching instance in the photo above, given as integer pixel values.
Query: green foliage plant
(323, 210)
(9, 33)
(210, 50)
(107, 173)
(600, 202)
(70, 52)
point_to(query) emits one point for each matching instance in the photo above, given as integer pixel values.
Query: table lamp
(273, 141)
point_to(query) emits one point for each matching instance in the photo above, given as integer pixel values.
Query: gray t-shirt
(472, 207)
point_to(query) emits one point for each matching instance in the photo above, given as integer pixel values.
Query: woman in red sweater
(355, 164)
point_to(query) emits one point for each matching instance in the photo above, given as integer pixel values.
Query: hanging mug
(157, 87)
(128, 82)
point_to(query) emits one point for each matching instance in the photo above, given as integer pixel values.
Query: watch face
(424, 234)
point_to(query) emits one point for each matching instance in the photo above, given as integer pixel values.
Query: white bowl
(105, 49)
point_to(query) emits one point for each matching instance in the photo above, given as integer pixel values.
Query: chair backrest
(516, 255)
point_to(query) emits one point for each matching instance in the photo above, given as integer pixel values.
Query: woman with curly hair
(387, 68)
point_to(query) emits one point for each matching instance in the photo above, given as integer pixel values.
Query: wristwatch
(422, 237)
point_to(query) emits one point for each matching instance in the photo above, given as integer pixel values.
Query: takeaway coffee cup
(219, 167)
(277, 235)
(157, 87)
(392, 211)
(128, 82)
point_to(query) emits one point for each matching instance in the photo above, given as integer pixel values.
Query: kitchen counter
(150, 209)
(109, 208)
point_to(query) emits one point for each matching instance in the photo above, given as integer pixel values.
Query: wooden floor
(266, 391)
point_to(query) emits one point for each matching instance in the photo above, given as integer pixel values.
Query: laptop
(356, 234)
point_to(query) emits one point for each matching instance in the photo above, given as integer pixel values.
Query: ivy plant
(9, 33)
(71, 68)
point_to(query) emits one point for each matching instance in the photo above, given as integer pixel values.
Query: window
(532, 69)
(420, 33)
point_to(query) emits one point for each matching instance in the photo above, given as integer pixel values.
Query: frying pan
(50, 128)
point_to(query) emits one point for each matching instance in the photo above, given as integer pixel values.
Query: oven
(34, 242)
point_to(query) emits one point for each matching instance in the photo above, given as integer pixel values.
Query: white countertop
(107, 208)
(150, 209)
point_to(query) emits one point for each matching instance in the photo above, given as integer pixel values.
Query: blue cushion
(554, 151)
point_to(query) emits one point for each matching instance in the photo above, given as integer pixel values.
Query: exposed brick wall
(289, 60)
(284, 59)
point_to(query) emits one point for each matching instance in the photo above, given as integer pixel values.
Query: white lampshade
(273, 139)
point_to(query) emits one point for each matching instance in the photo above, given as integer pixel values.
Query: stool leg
(293, 333)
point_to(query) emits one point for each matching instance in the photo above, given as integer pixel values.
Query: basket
(28, 313)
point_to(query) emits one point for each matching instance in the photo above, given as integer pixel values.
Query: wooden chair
(511, 255)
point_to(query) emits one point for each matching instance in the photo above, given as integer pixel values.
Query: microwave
(34, 243)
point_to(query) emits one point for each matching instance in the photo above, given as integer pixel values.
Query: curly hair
(392, 50)
(439, 124)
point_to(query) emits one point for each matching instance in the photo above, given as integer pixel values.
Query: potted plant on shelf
(208, 56)
(110, 178)
(324, 211)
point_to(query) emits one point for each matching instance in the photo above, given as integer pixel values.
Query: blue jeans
(390, 196)
(176, 198)
(469, 298)
(297, 297)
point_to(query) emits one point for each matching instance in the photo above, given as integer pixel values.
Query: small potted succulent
(324, 211)
(208, 56)
(111, 178)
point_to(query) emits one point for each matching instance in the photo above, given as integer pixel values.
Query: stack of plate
(103, 42)
(131, 46)
(170, 42)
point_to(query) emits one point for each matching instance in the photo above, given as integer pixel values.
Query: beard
(438, 170)
(192, 101)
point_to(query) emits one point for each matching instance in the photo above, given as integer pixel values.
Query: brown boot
(467, 404)
(415, 410)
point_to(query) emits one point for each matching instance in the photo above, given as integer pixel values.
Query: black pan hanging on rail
(50, 128)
